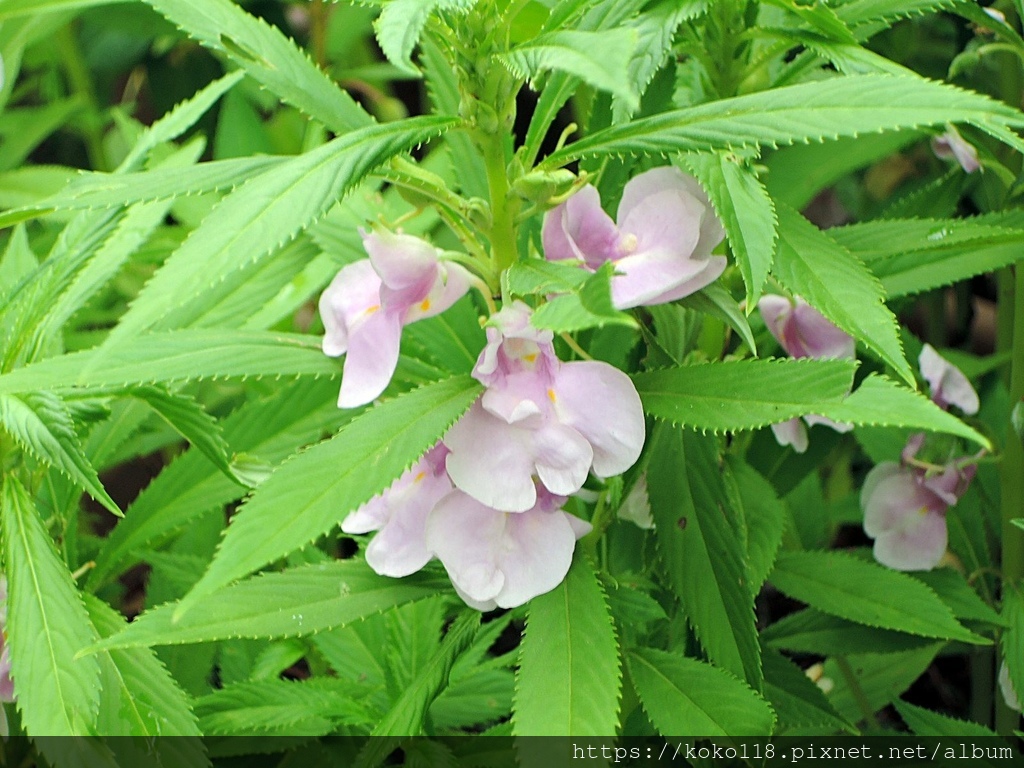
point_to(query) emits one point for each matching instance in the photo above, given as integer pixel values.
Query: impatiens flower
(540, 418)
(802, 331)
(660, 243)
(503, 559)
(951, 145)
(948, 385)
(368, 302)
(399, 515)
(905, 512)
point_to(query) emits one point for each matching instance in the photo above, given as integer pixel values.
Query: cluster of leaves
(165, 295)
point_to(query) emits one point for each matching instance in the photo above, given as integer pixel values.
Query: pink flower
(540, 418)
(802, 331)
(399, 515)
(948, 385)
(368, 302)
(951, 145)
(6, 684)
(905, 511)
(660, 244)
(502, 559)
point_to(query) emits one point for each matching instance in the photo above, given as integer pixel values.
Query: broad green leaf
(716, 301)
(960, 596)
(406, 717)
(819, 17)
(859, 13)
(41, 423)
(46, 625)
(292, 603)
(599, 58)
(880, 678)
(765, 518)
(12, 9)
(538, 277)
(400, 24)
(812, 265)
(924, 722)
(314, 491)
(140, 698)
(267, 211)
(718, 396)
(169, 356)
(569, 676)
(810, 631)
(590, 307)
(841, 106)
(797, 701)
(700, 546)
(106, 190)
(18, 260)
(845, 586)
(879, 401)
(25, 128)
(686, 697)
(298, 413)
(314, 707)
(746, 211)
(267, 56)
(914, 255)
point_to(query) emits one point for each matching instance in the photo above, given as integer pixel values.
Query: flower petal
(402, 261)
(562, 457)
(792, 432)
(491, 461)
(600, 402)
(948, 384)
(536, 554)
(580, 229)
(917, 546)
(465, 535)
(352, 294)
(371, 360)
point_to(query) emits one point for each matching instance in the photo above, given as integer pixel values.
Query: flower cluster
(369, 302)
(802, 331)
(660, 243)
(487, 500)
(905, 503)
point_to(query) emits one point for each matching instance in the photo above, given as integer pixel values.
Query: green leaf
(266, 212)
(797, 701)
(42, 425)
(914, 255)
(819, 17)
(268, 57)
(1012, 641)
(314, 707)
(810, 631)
(686, 697)
(880, 678)
(590, 307)
(400, 24)
(313, 492)
(924, 722)
(746, 211)
(879, 401)
(1017, 421)
(46, 625)
(170, 356)
(714, 300)
(700, 546)
(765, 517)
(539, 277)
(292, 603)
(845, 586)
(841, 106)
(960, 596)
(569, 676)
(140, 698)
(13, 9)
(812, 265)
(599, 58)
(718, 396)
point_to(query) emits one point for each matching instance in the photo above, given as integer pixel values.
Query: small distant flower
(502, 559)
(952, 146)
(905, 511)
(368, 302)
(948, 385)
(540, 418)
(1006, 688)
(660, 243)
(802, 331)
(399, 516)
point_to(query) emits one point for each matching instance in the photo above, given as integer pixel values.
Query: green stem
(80, 81)
(858, 693)
(503, 230)
(1012, 485)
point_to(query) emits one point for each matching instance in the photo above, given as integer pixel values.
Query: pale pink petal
(373, 348)
(580, 229)
(812, 335)
(640, 189)
(948, 385)
(353, 294)
(6, 683)
(952, 146)
(1006, 688)
(465, 535)
(491, 461)
(878, 473)
(776, 311)
(514, 346)
(918, 545)
(600, 402)
(562, 457)
(402, 261)
(714, 267)
(910, 450)
(537, 554)
(450, 284)
(642, 277)
(951, 484)
(906, 519)
(842, 427)
(792, 432)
